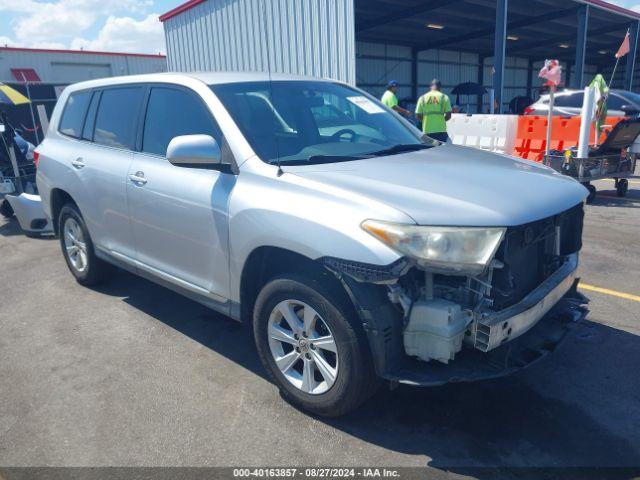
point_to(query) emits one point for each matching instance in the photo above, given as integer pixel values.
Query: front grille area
(528, 255)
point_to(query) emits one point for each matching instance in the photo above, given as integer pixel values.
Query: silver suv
(358, 249)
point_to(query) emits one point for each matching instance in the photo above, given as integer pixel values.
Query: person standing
(390, 99)
(434, 111)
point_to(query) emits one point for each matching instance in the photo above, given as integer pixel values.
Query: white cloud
(40, 23)
(6, 41)
(125, 34)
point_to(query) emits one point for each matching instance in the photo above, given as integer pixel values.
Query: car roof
(573, 92)
(209, 78)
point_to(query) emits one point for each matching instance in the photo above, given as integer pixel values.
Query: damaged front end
(426, 327)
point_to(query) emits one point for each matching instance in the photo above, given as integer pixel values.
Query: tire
(354, 380)
(87, 269)
(592, 192)
(622, 186)
(5, 209)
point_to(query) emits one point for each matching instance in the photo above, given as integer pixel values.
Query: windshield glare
(297, 122)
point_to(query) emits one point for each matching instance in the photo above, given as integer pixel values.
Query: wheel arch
(59, 198)
(265, 263)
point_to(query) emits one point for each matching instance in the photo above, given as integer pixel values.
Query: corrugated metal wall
(376, 64)
(310, 37)
(68, 67)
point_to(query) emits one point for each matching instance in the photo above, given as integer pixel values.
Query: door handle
(138, 178)
(78, 163)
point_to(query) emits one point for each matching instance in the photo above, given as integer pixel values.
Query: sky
(104, 25)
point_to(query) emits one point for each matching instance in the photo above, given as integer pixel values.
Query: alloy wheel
(75, 245)
(303, 347)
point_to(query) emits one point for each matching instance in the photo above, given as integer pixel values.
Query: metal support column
(499, 52)
(530, 78)
(631, 58)
(414, 74)
(480, 101)
(581, 46)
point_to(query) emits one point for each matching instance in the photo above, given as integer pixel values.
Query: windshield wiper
(401, 148)
(316, 159)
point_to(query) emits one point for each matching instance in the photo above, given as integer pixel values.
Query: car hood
(455, 186)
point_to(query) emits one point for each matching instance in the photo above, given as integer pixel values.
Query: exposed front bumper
(28, 210)
(546, 315)
(492, 330)
(471, 364)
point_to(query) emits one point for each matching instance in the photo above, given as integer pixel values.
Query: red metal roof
(596, 3)
(86, 52)
(179, 9)
(612, 8)
(25, 75)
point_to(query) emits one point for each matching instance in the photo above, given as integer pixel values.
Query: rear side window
(615, 102)
(74, 113)
(172, 112)
(573, 100)
(117, 117)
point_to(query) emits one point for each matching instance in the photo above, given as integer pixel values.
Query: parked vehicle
(25, 162)
(357, 254)
(620, 103)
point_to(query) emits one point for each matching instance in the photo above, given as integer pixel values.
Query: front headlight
(450, 250)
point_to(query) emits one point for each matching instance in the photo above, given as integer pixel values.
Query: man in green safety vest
(390, 99)
(434, 111)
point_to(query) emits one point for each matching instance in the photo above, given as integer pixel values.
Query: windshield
(297, 122)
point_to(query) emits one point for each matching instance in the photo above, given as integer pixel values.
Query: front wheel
(5, 209)
(592, 192)
(312, 346)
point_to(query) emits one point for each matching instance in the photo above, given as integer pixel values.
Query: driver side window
(172, 112)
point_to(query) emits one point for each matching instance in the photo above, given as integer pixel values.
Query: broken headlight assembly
(446, 250)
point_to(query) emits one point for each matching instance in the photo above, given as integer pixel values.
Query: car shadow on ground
(501, 423)
(9, 227)
(609, 198)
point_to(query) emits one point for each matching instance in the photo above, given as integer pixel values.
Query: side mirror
(630, 109)
(194, 151)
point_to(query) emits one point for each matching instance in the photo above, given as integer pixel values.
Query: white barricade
(494, 133)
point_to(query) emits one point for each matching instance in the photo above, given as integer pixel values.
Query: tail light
(529, 110)
(36, 158)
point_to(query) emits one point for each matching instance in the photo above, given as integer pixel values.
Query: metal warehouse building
(498, 43)
(69, 66)
(42, 74)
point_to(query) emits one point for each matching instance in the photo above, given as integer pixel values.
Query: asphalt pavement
(132, 374)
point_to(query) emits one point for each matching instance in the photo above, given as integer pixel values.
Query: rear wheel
(622, 186)
(312, 346)
(77, 247)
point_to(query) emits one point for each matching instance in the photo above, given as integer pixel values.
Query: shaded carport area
(498, 43)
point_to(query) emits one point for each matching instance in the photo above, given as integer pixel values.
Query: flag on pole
(552, 72)
(625, 47)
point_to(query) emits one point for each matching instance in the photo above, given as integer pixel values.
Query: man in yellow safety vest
(434, 111)
(390, 99)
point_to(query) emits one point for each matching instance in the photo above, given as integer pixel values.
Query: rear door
(111, 126)
(179, 214)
